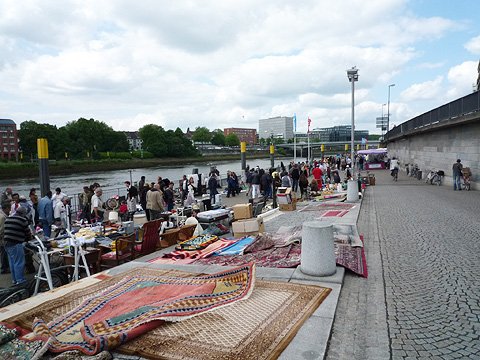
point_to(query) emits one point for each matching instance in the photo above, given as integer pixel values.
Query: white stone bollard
(352, 190)
(318, 255)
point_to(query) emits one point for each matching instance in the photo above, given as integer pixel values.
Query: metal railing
(466, 105)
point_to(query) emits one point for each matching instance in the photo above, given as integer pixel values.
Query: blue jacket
(45, 209)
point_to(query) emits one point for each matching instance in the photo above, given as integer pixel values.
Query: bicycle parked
(466, 175)
(435, 177)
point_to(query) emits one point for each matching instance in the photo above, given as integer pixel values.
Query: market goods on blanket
(246, 227)
(242, 211)
(197, 243)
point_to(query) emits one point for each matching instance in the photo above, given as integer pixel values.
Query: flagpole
(295, 147)
(295, 138)
(308, 147)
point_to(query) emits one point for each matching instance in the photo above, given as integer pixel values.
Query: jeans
(47, 231)
(294, 184)
(456, 182)
(16, 259)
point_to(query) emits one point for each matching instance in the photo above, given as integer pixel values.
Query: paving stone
(422, 253)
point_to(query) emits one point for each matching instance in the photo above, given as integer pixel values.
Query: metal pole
(272, 156)
(243, 154)
(42, 149)
(295, 147)
(388, 108)
(308, 147)
(352, 134)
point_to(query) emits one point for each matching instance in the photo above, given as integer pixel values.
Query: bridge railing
(463, 106)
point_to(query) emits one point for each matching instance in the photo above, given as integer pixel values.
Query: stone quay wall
(439, 149)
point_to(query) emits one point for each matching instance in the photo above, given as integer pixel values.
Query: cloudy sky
(229, 63)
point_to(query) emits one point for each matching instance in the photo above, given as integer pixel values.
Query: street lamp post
(388, 108)
(383, 115)
(352, 75)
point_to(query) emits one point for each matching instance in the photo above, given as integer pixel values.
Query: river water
(73, 184)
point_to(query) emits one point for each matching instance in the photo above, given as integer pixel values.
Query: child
(123, 210)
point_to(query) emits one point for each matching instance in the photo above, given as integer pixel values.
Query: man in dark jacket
(295, 173)
(16, 233)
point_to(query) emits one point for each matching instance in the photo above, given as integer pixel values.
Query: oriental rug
(136, 304)
(351, 258)
(334, 213)
(275, 257)
(257, 328)
(328, 206)
(187, 257)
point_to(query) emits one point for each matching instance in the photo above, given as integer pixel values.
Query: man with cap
(16, 233)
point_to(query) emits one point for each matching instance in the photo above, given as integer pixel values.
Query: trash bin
(419, 175)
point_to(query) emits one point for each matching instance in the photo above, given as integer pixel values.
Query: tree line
(90, 138)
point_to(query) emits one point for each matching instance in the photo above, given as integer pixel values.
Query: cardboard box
(242, 211)
(288, 207)
(285, 195)
(246, 227)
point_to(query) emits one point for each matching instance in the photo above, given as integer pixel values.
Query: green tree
(30, 131)
(218, 138)
(201, 134)
(93, 136)
(232, 140)
(163, 143)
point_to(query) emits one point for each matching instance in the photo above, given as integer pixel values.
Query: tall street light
(388, 108)
(383, 119)
(352, 75)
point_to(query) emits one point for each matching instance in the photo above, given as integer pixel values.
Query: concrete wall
(440, 149)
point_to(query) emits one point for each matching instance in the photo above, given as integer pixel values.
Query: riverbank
(14, 170)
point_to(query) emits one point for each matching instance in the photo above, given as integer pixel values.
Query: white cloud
(427, 90)
(461, 79)
(473, 45)
(212, 63)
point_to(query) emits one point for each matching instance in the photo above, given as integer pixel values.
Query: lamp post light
(388, 108)
(352, 75)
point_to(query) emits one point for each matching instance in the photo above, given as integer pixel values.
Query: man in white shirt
(97, 206)
(57, 197)
(61, 212)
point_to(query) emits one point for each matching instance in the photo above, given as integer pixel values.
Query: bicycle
(395, 174)
(466, 174)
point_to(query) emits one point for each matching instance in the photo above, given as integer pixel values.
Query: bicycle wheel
(17, 296)
(59, 278)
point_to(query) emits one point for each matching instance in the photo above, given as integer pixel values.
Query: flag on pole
(364, 141)
(295, 122)
(309, 122)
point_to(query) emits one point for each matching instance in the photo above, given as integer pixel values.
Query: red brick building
(8, 139)
(247, 135)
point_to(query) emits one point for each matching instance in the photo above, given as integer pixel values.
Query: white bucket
(139, 219)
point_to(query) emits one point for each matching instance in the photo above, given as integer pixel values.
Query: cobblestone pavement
(422, 297)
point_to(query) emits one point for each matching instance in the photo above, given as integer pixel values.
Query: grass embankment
(12, 170)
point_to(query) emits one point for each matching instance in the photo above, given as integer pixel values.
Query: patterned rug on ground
(136, 304)
(351, 258)
(328, 206)
(257, 328)
(347, 255)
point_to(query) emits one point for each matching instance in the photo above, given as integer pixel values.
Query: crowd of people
(21, 217)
